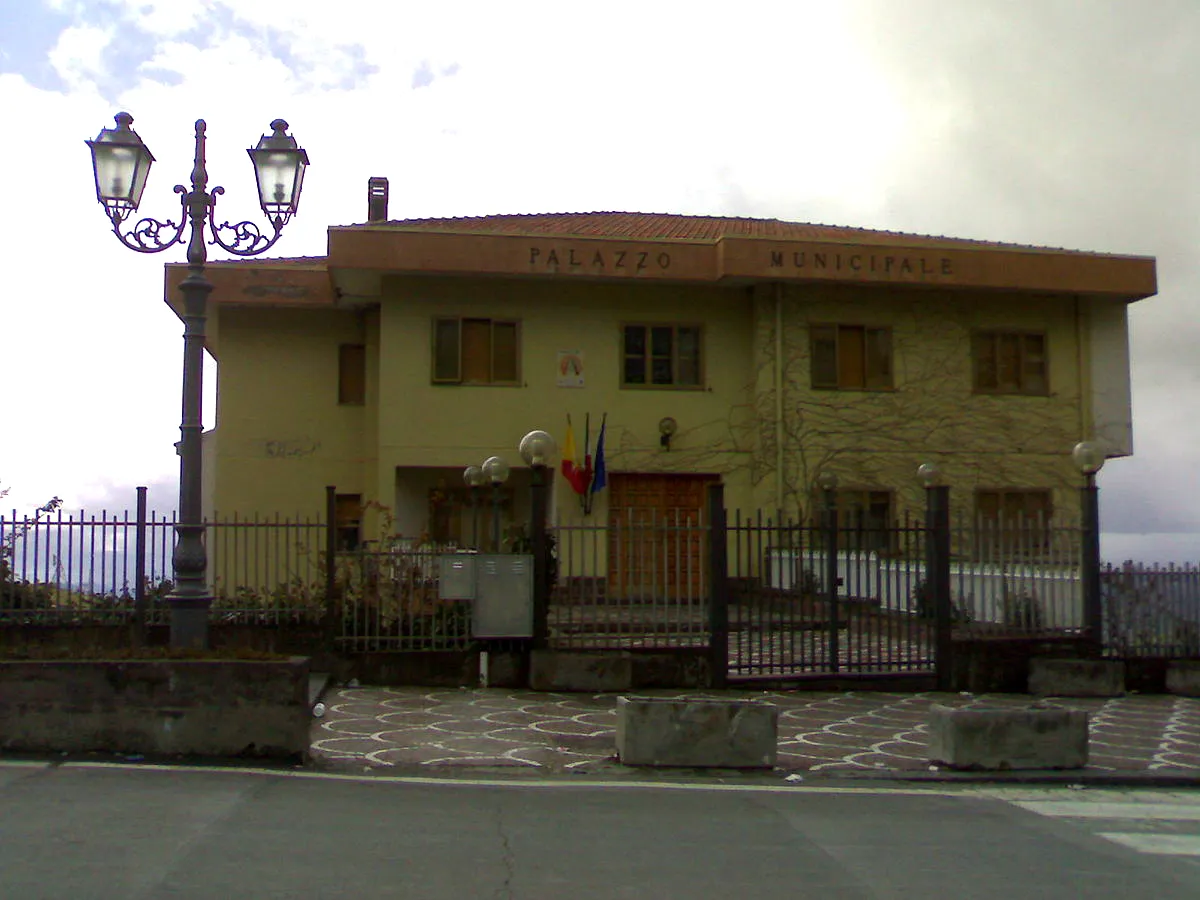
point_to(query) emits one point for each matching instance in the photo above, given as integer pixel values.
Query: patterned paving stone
(823, 732)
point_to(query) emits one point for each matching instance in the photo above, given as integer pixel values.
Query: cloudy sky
(1067, 123)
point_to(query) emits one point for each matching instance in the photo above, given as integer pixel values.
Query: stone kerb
(1076, 677)
(653, 731)
(997, 739)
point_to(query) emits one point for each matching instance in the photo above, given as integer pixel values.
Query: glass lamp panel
(279, 174)
(121, 170)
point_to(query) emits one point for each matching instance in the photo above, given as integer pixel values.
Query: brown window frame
(648, 357)
(352, 374)
(458, 377)
(1025, 381)
(848, 376)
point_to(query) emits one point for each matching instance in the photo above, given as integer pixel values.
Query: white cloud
(76, 57)
(1018, 120)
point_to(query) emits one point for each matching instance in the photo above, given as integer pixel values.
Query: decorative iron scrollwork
(146, 235)
(247, 238)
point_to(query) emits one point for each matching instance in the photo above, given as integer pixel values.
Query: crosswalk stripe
(1162, 844)
(1100, 810)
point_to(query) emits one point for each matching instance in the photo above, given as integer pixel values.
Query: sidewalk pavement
(450, 731)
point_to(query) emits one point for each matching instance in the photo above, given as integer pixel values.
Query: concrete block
(740, 734)
(551, 670)
(1076, 677)
(1183, 677)
(999, 739)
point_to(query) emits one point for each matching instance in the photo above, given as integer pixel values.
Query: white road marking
(1161, 844)
(561, 783)
(1085, 809)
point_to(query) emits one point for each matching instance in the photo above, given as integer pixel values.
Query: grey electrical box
(503, 605)
(456, 576)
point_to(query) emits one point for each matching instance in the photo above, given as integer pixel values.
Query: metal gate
(823, 599)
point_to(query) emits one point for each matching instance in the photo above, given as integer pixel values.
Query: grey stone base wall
(617, 670)
(1183, 677)
(1076, 677)
(158, 707)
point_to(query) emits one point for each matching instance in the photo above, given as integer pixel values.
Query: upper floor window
(352, 374)
(476, 351)
(1009, 362)
(851, 357)
(662, 356)
(865, 520)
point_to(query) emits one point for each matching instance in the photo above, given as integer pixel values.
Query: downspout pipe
(779, 407)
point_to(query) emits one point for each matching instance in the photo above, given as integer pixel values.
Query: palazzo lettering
(616, 262)
(869, 263)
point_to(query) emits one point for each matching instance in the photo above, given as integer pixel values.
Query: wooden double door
(657, 546)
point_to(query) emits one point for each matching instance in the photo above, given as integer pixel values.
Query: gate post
(718, 588)
(330, 622)
(541, 556)
(828, 482)
(937, 576)
(139, 563)
(1089, 457)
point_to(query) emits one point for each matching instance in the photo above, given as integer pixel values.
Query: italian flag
(578, 475)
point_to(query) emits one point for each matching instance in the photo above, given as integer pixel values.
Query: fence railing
(1020, 578)
(83, 569)
(1151, 610)
(388, 600)
(116, 568)
(639, 581)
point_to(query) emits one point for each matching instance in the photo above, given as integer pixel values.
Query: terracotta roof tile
(666, 226)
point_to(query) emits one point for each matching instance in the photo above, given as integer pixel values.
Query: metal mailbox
(500, 586)
(456, 576)
(503, 596)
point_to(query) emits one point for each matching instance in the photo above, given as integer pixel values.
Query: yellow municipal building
(753, 352)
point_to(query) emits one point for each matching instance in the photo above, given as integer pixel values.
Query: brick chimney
(377, 199)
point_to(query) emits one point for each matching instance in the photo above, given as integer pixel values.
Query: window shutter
(824, 356)
(446, 356)
(476, 351)
(504, 352)
(851, 358)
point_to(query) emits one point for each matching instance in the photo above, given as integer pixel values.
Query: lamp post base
(189, 622)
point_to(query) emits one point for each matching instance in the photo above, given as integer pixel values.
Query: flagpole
(586, 497)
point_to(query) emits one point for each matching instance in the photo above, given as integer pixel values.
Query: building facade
(754, 353)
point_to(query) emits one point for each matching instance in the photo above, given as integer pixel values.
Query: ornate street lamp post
(474, 478)
(121, 164)
(496, 470)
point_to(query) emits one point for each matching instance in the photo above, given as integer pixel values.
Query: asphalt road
(94, 832)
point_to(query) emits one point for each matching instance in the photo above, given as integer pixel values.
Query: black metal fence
(639, 581)
(1151, 611)
(808, 598)
(763, 595)
(115, 569)
(388, 600)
